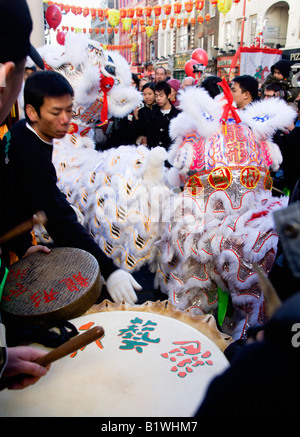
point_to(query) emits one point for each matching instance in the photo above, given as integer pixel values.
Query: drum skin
(59, 285)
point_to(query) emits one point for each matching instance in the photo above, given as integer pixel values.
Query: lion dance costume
(201, 225)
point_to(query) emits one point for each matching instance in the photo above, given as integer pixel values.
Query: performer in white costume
(222, 222)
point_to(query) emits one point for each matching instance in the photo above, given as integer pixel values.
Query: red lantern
(167, 9)
(157, 21)
(138, 12)
(149, 21)
(60, 38)
(90, 30)
(109, 30)
(178, 22)
(193, 21)
(142, 21)
(214, 3)
(188, 68)
(86, 12)
(200, 19)
(157, 10)
(73, 10)
(185, 21)
(130, 12)
(200, 56)
(207, 18)
(164, 23)
(79, 11)
(188, 6)
(100, 14)
(116, 30)
(97, 30)
(148, 10)
(177, 8)
(102, 30)
(84, 30)
(134, 21)
(199, 4)
(123, 13)
(93, 13)
(53, 16)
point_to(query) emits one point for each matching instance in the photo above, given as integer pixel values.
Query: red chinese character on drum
(250, 177)
(86, 327)
(220, 178)
(187, 357)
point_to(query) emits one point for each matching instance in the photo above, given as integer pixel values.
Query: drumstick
(72, 345)
(38, 219)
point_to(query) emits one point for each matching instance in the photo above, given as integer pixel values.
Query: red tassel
(228, 107)
(106, 84)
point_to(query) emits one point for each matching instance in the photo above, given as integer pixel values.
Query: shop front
(224, 64)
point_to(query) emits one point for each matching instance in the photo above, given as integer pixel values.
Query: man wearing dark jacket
(28, 146)
(156, 127)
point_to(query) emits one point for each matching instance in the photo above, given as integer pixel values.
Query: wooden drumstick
(38, 219)
(71, 346)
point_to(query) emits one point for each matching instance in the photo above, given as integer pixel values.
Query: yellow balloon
(149, 31)
(126, 23)
(114, 17)
(224, 6)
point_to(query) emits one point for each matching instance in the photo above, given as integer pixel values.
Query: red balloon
(188, 68)
(200, 56)
(53, 16)
(60, 38)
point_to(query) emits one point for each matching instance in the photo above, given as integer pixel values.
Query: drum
(146, 365)
(59, 285)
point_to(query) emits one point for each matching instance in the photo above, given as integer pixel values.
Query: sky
(80, 21)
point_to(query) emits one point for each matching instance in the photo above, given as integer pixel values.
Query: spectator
(144, 114)
(187, 81)
(210, 83)
(244, 90)
(281, 73)
(160, 74)
(175, 87)
(156, 128)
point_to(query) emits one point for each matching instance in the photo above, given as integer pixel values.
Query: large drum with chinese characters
(153, 361)
(58, 285)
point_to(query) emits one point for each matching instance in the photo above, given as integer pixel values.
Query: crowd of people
(28, 185)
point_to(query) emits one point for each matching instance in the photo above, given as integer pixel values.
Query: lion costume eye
(110, 69)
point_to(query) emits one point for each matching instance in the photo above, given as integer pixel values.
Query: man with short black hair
(244, 90)
(49, 109)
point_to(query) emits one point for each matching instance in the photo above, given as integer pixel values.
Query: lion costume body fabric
(201, 225)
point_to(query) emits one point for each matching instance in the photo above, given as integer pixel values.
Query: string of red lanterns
(135, 15)
(136, 11)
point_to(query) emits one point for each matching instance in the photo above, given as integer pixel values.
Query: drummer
(29, 145)
(15, 29)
